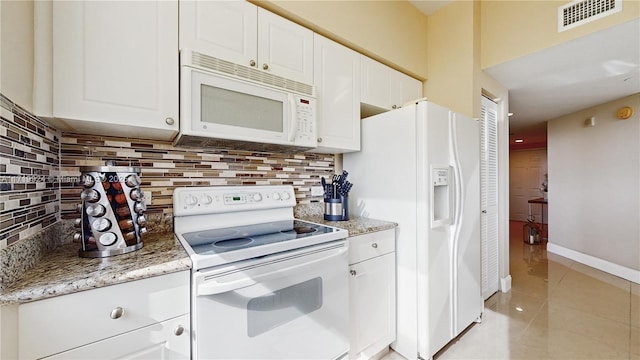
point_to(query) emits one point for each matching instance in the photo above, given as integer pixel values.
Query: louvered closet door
(489, 197)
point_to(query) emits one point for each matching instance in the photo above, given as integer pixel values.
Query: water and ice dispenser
(441, 206)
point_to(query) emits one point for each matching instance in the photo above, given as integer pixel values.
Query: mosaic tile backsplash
(165, 167)
(40, 170)
(29, 164)
(40, 167)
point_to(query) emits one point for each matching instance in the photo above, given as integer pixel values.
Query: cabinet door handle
(353, 272)
(374, 245)
(117, 313)
(394, 106)
(179, 330)
(319, 140)
(252, 63)
(265, 66)
(169, 121)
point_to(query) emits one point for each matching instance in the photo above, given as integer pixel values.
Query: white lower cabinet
(166, 340)
(372, 293)
(147, 318)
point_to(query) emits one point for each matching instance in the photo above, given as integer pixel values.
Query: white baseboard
(600, 264)
(505, 284)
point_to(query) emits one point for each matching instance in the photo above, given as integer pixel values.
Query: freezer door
(435, 272)
(468, 303)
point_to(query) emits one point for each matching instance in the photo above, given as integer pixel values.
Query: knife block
(336, 209)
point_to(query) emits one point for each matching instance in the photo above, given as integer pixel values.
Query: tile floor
(557, 309)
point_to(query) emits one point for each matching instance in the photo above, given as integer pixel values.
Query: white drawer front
(162, 341)
(57, 324)
(367, 246)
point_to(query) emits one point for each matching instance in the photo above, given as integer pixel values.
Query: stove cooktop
(222, 246)
(219, 241)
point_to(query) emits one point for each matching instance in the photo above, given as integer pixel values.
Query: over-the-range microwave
(226, 105)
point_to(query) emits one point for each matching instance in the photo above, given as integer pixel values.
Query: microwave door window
(227, 107)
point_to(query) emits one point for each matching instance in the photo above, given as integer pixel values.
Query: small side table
(542, 202)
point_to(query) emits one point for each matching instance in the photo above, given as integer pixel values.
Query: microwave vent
(223, 66)
(577, 12)
(215, 143)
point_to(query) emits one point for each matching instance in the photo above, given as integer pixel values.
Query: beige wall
(511, 29)
(450, 61)
(392, 32)
(16, 56)
(594, 183)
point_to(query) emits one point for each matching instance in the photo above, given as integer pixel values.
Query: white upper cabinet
(285, 48)
(337, 80)
(242, 33)
(406, 88)
(387, 88)
(225, 29)
(115, 67)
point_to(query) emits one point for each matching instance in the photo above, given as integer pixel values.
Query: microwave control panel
(306, 115)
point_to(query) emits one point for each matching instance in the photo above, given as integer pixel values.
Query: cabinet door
(170, 339)
(406, 88)
(337, 80)
(372, 305)
(376, 83)
(77, 319)
(225, 29)
(387, 88)
(116, 67)
(284, 48)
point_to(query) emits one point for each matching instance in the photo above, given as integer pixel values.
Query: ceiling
(569, 77)
(566, 78)
(428, 7)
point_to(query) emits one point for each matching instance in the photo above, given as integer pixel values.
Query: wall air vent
(577, 13)
(212, 63)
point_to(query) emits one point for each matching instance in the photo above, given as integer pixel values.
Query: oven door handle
(215, 287)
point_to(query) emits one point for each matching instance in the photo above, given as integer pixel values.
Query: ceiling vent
(577, 13)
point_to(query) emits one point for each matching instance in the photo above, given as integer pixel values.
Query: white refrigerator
(420, 167)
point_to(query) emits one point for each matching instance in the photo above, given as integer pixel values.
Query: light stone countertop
(64, 272)
(355, 225)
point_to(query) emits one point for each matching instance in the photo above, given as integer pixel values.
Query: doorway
(528, 168)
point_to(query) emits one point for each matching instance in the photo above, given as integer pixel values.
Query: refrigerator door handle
(453, 196)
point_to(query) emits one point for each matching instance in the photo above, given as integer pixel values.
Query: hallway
(557, 309)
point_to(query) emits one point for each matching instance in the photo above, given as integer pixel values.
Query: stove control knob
(276, 196)
(206, 199)
(257, 197)
(191, 200)
(286, 196)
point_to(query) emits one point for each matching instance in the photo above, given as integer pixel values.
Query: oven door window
(282, 306)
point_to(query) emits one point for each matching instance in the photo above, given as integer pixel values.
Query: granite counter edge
(36, 293)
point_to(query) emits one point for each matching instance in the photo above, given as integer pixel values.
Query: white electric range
(264, 284)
